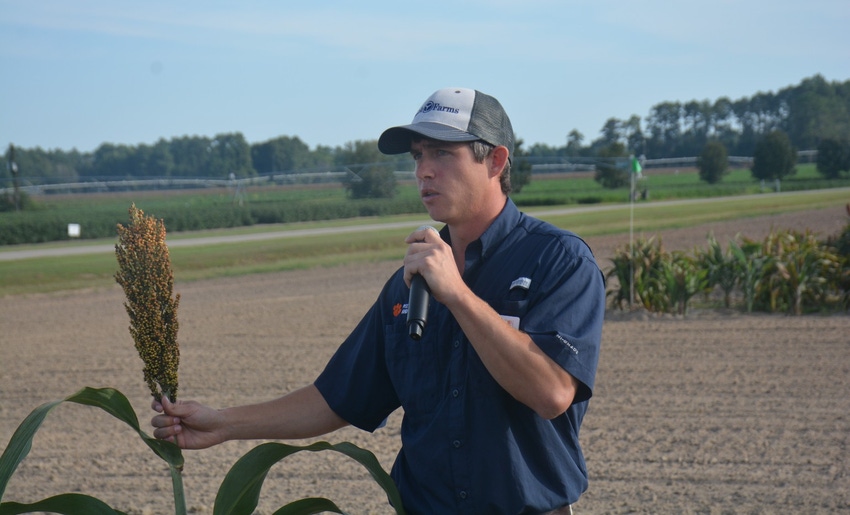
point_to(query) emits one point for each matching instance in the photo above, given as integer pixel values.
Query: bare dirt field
(719, 412)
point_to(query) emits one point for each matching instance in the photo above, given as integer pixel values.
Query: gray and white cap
(453, 115)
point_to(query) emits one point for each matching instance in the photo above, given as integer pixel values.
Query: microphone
(417, 304)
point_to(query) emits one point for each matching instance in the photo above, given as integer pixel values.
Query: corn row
(145, 274)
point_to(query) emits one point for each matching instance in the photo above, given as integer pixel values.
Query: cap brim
(396, 140)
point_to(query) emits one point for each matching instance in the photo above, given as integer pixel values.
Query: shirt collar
(493, 236)
(500, 228)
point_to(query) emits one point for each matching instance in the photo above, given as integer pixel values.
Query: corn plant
(786, 271)
(682, 280)
(840, 244)
(642, 261)
(622, 271)
(720, 269)
(802, 273)
(749, 262)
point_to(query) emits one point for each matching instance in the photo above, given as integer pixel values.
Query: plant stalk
(179, 494)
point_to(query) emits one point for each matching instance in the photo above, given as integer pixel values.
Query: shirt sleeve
(355, 382)
(566, 311)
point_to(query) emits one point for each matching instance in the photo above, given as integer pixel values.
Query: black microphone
(417, 304)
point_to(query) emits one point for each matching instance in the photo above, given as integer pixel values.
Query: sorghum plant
(146, 276)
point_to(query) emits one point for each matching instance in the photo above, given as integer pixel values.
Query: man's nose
(424, 169)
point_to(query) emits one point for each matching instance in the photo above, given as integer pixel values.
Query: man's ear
(498, 160)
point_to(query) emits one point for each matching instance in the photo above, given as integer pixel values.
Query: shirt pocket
(513, 310)
(414, 368)
(515, 303)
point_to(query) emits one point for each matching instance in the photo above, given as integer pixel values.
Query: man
(496, 389)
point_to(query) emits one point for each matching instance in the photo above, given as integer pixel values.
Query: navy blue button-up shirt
(467, 445)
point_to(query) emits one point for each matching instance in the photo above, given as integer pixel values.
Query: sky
(77, 74)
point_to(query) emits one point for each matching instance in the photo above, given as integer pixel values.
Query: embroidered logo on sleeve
(565, 342)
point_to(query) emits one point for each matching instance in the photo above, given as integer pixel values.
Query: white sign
(74, 230)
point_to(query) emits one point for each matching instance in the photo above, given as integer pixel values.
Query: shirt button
(455, 392)
(462, 494)
(457, 344)
(456, 444)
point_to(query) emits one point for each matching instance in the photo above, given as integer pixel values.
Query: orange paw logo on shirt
(397, 309)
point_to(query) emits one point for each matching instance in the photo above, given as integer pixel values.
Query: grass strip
(50, 274)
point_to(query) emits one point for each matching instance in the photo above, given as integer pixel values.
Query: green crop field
(298, 249)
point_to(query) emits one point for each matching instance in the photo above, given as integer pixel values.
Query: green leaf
(240, 491)
(108, 399)
(116, 404)
(65, 504)
(309, 506)
(238, 494)
(21, 443)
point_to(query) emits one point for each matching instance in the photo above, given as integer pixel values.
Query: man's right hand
(296, 415)
(188, 424)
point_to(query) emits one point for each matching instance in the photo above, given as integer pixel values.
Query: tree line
(222, 156)
(808, 114)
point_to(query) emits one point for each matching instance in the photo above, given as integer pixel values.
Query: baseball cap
(454, 115)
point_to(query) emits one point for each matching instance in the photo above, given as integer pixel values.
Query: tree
(372, 173)
(635, 139)
(360, 152)
(544, 150)
(664, 125)
(574, 140)
(833, 158)
(191, 156)
(229, 154)
(722, 130)
(154, 161)
(747, 135)
(520, 168)
(375, 180)
(758, 116)
(611, 133)
(39, 164)
(712, 162)
(283, 154)
(774, 158)
(816, 109)
(697, 119)
(612, 170)
(112, 160)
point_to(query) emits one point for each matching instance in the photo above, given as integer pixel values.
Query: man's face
(452, 185)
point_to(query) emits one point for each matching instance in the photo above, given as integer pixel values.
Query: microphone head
(415, 328)
(417, 306)
(423, 227)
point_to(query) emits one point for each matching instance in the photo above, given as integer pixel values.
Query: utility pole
(631, 233)
(635, 170)
(13, 170)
